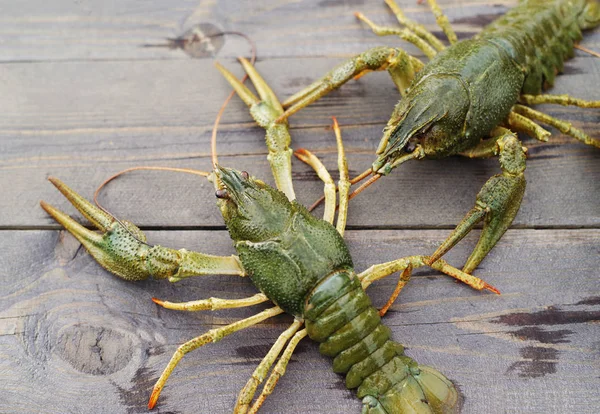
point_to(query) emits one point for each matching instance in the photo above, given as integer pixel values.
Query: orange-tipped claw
(158, 301)
(302, 154)
(472, 281)
(491, 288)
(153, 398)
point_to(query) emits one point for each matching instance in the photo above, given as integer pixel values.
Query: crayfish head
(427, 120)
(252, 210)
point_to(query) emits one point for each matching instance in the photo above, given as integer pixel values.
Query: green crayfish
(469, 99)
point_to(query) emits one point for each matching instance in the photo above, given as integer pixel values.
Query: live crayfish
(275, 235)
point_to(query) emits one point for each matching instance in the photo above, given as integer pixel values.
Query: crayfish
(469, 100)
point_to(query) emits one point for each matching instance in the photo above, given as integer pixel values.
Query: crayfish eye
(222, 194)
(245, 175)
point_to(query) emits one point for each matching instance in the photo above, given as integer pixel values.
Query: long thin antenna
(125, 171)
(586, 50)
(353, 181)
(364, 186)
(361, 176)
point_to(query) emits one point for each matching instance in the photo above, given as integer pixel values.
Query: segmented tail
(539, 35)
(339, 315)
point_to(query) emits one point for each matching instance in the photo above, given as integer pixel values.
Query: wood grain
(34, 30)
(81, 99)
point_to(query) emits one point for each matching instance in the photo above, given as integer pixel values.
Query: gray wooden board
(80, 99)
(84, 121)
(34, 30)
(96, 30)
(74, 338)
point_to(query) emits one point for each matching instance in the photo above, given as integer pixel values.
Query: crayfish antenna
(364, 186)
(362, 176)
(317, 203)
(353, 181)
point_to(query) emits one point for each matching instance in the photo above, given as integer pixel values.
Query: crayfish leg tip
(491, 289)
(302, 154)
(55, 181)
(48, 208)
(153, 399)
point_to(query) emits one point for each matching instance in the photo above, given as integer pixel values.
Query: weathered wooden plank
(68, 329)
(179, 100)
(83, 121)
(93, 30)
(562, 191)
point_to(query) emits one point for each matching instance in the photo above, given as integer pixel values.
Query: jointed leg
(405, 34)
(279, 370)
(497, 204)
(122, 249)
(260, 373)
(487, 148)
(565, 100)
(402, 281)
(520, 123)
(329, 190)
(442, 21)
(214, 335)
(265, 112)
(562, 126)
(344, 181)
(414, 26)
(382, 270)
(212, 303)
(401, 66)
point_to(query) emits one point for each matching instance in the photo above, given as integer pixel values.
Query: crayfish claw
(97, 217)
(121, 246)
(85, 236)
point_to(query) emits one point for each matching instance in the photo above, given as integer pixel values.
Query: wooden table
(81, 98)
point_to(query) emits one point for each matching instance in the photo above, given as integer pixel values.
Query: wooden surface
(80, 98)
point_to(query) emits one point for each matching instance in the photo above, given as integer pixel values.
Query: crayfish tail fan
(403, 387)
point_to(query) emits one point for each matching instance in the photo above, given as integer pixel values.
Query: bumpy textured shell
(539, 35)
(339, 315)
(468, 89)
(286, 266)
